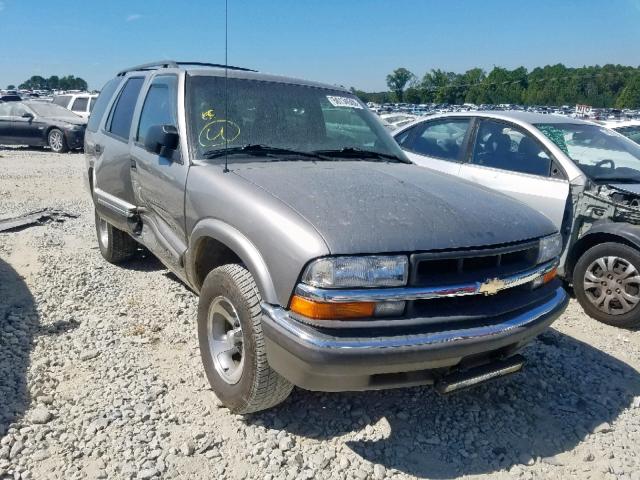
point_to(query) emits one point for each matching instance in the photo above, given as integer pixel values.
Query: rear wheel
(56, 141)
(606, 281)
(232, 343)
(115, 245)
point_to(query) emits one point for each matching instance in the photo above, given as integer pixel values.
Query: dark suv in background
(323, 258)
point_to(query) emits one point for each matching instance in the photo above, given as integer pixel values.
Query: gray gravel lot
(100, 377)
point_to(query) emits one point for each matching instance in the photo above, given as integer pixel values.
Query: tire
(606, 280)
(115, 245)
(238, 371)
(56, 141)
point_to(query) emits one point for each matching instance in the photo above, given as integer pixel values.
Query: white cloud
(133, 17)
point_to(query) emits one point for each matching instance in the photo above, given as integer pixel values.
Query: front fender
(627, 231)
(241, 246)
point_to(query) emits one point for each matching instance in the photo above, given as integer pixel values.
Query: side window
(119, 122)
(5, 109)
(101, 104)
(80, 104)
(17, 109)
(62, 100)
(499, 145)
(159, 106)
(439, 139)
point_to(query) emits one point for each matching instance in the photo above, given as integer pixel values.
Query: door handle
(133, 165)
(97, 148)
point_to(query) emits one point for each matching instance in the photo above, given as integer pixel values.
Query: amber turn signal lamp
(550, 275)
(331, 311)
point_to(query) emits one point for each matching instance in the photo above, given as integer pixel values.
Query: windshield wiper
(259, 150)
(354, 152)
(617, 179)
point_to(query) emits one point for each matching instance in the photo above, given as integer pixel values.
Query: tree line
(68, 82)
(599, 86)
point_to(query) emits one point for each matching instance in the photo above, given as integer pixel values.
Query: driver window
(499, 145)
(17, 109)
(160, 105)
(441, 140)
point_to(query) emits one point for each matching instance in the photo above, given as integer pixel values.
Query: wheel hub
(612, 285)
(226, 344)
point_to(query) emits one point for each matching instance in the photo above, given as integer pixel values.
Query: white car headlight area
(550, 248)
(358, 272)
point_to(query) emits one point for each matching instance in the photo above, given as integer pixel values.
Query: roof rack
(174, 64)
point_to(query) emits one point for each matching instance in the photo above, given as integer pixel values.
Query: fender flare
(240, 245)
(600, 232)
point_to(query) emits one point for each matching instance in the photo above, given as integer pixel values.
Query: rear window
(122, 112)
(101, 104)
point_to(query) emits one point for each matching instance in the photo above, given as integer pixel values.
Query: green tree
(11, 87)
(398, 80)
(630, 95)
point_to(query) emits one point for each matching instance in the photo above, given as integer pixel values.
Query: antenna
(226, 76)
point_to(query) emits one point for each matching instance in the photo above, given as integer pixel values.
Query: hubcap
(612, 284)
(55, 140)
(225, 340)
(103, 232)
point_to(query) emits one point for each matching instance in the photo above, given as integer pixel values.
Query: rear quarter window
(101, 104)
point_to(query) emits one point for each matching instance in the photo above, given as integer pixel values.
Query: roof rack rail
(174, 64)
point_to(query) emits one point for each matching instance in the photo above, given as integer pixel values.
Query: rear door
(439, 144)
(110, 149)
(507, 158)
(159, 179)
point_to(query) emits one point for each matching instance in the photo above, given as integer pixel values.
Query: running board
(483, 373)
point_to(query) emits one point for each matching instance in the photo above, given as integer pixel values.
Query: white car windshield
(602, 154)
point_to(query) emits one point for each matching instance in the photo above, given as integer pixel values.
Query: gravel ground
(100, 377)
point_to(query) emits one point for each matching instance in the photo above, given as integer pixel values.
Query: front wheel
(606, 281)
(56, 141)
(232, 343)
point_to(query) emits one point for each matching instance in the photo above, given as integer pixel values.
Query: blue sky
(348, 42)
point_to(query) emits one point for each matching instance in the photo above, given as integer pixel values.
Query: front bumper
(316, 360)
(74, 138)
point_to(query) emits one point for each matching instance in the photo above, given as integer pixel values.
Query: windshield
(630, 132)
(52, 110)
(284, 116)
(602, 154)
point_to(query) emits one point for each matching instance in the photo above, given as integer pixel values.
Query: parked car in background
(322, 257)
(10, 97)
(397, 120)
(79, 103)
(582, 176)
(628, 128)
(36, 123)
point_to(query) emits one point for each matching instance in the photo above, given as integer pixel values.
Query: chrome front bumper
(316, 360)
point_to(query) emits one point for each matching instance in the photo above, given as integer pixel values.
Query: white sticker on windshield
(344, 102)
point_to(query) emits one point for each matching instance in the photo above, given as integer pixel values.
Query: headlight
(357, 272)
(550, 247)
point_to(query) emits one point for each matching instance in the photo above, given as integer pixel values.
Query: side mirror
(161, 137)
(27, 115)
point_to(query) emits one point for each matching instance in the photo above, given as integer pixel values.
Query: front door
(26, 130)
(507, 158)
(159, 179)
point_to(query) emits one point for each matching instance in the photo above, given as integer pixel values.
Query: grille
(456, 267)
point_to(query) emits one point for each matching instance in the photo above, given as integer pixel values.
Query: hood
(367, 207)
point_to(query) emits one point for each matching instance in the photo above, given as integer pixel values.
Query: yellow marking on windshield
(218, 132)
(208, 114)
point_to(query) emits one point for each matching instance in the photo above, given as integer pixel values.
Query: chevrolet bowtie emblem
(492, 286)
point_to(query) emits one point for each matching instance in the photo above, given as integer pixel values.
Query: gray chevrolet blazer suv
(322, 257)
